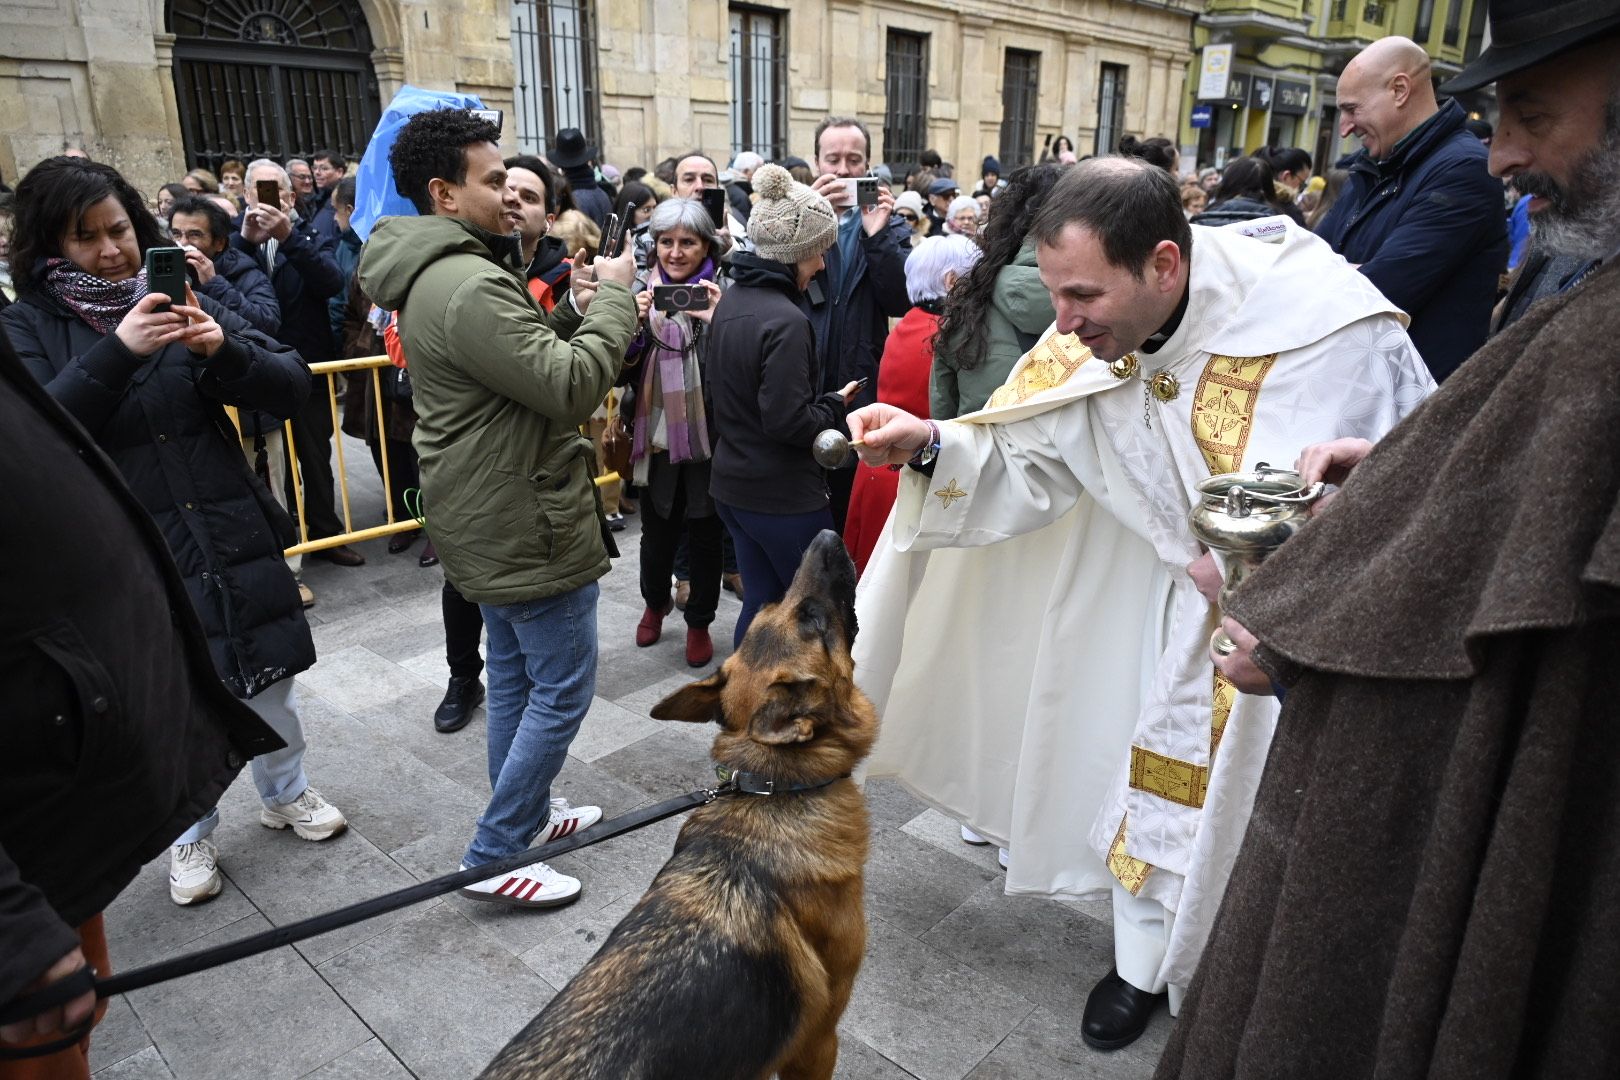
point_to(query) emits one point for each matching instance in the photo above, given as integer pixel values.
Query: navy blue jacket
(1427, 226)
(241, 285)
(305, 278)
(855, 303)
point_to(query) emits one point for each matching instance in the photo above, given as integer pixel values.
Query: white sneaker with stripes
(567, 820)
(534, 886)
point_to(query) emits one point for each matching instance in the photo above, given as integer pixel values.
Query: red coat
(902, 382)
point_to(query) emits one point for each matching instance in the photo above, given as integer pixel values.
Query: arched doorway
(272, 78)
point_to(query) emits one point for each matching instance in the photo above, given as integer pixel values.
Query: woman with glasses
(908, 207)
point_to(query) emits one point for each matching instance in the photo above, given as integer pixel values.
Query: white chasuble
(1029, 632)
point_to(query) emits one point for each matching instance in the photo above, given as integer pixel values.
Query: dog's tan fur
(740, 959)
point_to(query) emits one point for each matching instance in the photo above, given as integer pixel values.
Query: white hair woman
(671, 444)
(962, 216)
(932, 270)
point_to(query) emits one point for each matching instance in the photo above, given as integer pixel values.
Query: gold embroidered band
(1050, 364)
(1223, 409)
(1132, 873)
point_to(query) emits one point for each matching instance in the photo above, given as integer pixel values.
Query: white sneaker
(1001, 857)
(194, 873)
(311, 817)
(567, 820)
(971, 837)
(534, 886)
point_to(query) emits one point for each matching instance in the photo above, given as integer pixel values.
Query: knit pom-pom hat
(789, 222)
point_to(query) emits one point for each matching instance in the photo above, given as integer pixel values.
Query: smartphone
(861, 383)
(269, 193)
(866, 191)
(672, 298)
(166, 273)
(714, 201)
(612, 238)
(492, 115)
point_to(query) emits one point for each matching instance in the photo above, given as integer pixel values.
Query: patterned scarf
(101, 304)
(672, 383)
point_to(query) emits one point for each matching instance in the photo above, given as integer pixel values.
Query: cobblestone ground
(959, 979)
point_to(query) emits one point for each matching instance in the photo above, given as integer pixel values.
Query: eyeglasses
(908, 215)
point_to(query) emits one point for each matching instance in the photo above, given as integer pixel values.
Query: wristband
(928, 451)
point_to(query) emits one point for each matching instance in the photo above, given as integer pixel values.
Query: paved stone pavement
(960, 980)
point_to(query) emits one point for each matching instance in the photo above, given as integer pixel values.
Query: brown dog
(739, 960)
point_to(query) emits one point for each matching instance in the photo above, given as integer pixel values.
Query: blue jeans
(541, 669)
(279, 775)
(769, 549)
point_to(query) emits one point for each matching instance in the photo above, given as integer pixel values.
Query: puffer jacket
(1232, 211)
(500, 390)
(1426, 226)
(241, 285)
(162, 421)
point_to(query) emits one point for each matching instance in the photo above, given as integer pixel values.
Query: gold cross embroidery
(950, 493)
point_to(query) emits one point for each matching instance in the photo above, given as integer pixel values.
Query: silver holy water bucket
(1246, 516)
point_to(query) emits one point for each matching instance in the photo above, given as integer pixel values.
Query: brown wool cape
(1430, 883)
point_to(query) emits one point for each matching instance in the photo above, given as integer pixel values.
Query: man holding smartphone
(864, 283)
(698, 177)
(501, 389)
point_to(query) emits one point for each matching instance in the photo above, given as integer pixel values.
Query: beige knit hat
(789, 222)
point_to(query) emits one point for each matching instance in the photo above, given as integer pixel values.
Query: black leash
(66, 989)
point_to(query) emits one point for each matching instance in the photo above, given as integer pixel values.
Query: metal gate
(272, 78)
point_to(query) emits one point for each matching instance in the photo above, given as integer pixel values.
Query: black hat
(1525, 33)
(569, 149)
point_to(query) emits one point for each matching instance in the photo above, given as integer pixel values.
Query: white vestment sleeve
(991, 482)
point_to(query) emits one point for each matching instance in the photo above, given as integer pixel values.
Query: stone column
(978, 96)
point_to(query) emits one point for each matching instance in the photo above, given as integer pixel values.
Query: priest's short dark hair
(1130, 205)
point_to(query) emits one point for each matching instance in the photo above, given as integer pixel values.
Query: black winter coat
(852, 305)
(240, 283)
(1232, 211)
(763, 378)
(115, 731)
(1427, 226)
(161, 421)
(306, 277)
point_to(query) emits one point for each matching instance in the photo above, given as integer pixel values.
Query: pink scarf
(672, 383)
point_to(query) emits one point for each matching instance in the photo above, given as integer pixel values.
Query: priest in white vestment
(1031, 628)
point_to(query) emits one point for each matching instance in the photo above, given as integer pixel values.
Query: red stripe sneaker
(567, 820)
(534, 886)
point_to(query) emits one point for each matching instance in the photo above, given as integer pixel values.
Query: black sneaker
(460, 699)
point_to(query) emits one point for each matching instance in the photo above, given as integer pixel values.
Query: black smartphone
(612, 238)
(166, 273)
(672, 298)
(714, 201)
(269, 193)
(861, 383)
(866, 191)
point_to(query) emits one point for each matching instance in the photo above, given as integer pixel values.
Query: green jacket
(1019, 305)
(500, 390)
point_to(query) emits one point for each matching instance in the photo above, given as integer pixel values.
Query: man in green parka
(500, 390)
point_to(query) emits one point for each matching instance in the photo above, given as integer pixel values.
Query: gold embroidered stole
(1222, 417)
(1049, 365)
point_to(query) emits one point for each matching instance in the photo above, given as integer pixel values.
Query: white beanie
(789, 222)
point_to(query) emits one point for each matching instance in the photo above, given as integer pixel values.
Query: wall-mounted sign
(1202, 115)
(1292, 98)
(1212, 72)
(1260, 93)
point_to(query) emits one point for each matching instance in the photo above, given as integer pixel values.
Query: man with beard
(1430, 884)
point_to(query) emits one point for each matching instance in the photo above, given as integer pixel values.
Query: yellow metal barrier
(350, 534)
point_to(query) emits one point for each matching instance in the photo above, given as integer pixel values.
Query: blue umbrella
(374, 193)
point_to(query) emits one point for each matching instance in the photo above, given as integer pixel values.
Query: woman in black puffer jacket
(150, 387)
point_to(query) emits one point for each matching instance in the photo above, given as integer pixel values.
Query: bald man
(1420, 215)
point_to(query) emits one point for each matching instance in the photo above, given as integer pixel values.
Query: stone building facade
(157, 86)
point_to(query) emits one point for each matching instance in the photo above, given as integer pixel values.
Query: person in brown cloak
(1430, 882)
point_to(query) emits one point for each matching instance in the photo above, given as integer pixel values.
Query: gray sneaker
(194, 876)
(311, 817)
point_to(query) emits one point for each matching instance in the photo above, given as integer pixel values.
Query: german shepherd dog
(739, 960)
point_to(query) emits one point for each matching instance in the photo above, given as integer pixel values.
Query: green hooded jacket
(1020, 308)
(500, 390)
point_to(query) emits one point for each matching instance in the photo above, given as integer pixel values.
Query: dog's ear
(697, 703)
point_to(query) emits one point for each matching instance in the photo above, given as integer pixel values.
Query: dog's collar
(737, 782)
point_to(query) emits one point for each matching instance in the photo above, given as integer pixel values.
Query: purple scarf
(672, 383)
(101, 304)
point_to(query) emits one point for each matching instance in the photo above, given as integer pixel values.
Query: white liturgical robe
(1029, 631)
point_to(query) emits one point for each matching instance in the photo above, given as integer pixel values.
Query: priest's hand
(887, 435)
(1330, 463)
(1206, 575)
(1239, 667)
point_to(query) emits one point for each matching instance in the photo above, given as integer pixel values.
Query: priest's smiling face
(1110, 309)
